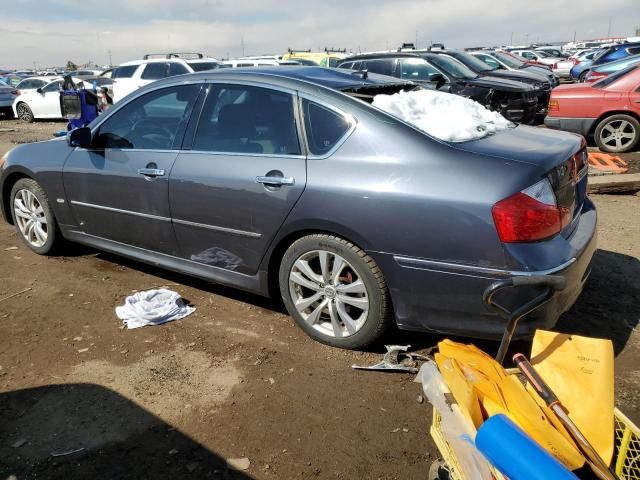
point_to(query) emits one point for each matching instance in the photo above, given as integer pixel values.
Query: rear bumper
(446, 298)
(577, 125)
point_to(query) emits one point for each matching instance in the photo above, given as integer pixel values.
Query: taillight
(575, 62)
(530, 215)
(15, 92)
(555, 66)
(554, 106)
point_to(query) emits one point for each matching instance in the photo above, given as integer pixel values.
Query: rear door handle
(151, 172)
(268, 180)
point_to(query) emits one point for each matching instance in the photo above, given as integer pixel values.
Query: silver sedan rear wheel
(328, 293)
(30, 218)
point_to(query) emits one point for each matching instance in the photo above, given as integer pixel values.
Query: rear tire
(583, 76)
(617, 134)
(438, 471)
(24, 112)
(334, 291)
(33, 217)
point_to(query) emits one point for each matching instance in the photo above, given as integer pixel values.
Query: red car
(608, 110)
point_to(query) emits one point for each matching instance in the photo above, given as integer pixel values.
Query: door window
(176, 68)
(489, 61)
(245, 119)
(52, 87)
(154, 71)
(155, 120)
(325, 127)
(383, 66)
(416, 69)
(124, 72)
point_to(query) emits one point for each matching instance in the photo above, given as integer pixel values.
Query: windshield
(614, 76)
(202, 66)
(508, 59)
(452, 67)
(472, 62)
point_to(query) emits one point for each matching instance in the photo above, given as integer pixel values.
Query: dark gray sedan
(287, 181)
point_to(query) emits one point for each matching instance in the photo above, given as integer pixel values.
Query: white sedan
(43, 102)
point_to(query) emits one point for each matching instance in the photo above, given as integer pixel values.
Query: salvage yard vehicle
(541, 85)
(328, 58)
(606, 55)
(7, 96)
(515, 100)
(508, 61)
(230, 176)
(608, 110)
(42, 103)
(601, 71)
(130, 76)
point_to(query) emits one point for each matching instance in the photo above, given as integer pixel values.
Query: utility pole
(574, 37)
(416, 44)
(511, 39)
(609, 29)
(110, 59)
(242, 44)
(526, 41)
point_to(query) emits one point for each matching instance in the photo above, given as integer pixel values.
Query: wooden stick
(15, 294)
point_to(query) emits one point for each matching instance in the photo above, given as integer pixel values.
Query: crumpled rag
(152, 307)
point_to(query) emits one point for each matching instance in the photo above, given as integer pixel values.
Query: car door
(244, 171)
(46, 102)
(119, 188)
(634, 100)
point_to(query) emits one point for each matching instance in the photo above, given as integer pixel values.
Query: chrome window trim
(353, 121)
(239, 154)
(119, 210)
(232, 231)
(424, 264)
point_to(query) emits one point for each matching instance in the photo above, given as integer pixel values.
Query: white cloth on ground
(152, 307)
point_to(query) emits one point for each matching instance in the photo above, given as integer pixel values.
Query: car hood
(525, 77)
(532, 145)
(503, 84)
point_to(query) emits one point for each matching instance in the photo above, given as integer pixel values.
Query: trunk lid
(561, 156)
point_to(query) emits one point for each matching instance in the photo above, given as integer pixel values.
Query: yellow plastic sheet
(498, 392)
(580, 372)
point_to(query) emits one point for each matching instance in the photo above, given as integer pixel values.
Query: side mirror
(438, 79)
(79, 137)
(39, 90)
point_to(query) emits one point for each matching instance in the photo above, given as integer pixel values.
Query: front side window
(154, 71)
(246, 119)
(52, 87)
(324, 127)
(176, 68)
(489, 61)
(452, 67)
(416, 69)
(156, 120)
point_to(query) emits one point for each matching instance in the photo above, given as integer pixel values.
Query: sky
(45, 33)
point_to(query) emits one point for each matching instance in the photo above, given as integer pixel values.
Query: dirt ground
(80, 397)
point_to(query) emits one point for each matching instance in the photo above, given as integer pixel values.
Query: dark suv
(541, 84)
(517, 101)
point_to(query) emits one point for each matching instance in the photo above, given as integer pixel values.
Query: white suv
(130, 76)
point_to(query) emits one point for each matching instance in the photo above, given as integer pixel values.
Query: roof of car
(364, 56)
(297, 77)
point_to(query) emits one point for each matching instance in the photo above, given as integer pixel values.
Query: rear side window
(415, 69)
(633, 50)
(382, 66)
(325, 128)
(347, 65)
(154, 71)
(124, 72)
(176, 69)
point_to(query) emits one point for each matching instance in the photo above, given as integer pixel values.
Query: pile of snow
(442, 115)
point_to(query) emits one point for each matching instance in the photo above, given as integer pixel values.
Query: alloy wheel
(30, 218)
(618, 134)
(24, 112)
(329, 293)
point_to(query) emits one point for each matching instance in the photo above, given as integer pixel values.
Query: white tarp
(442, 115)
(152, 307)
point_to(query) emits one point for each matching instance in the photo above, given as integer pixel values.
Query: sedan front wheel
(24, 112)
(334, 291)
(33, 217)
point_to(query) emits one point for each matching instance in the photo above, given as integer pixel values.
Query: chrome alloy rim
(329, 293)
(618, 134)
(23, 112)
(30, 218)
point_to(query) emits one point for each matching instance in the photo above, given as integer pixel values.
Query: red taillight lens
(529, 215)
(15, 92)
(554, 106)
(555, 66)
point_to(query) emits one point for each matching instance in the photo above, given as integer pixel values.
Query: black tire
(53, 235)
(359, 266)
(24, 112)
(619, 124)
(583, 76)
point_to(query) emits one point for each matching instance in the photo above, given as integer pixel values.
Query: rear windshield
(452, 67)
(614, 76)
(203, 66)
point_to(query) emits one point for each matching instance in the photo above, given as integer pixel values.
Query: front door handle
(151, 172)
(280, 181)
